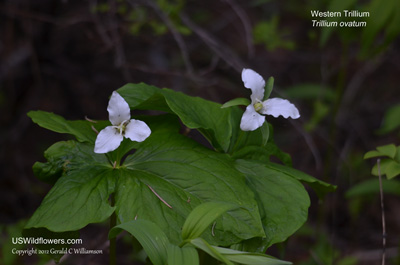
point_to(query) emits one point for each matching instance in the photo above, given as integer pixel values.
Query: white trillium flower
(252, 118)
(122, 126)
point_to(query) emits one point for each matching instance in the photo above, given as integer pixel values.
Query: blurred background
(67, 56)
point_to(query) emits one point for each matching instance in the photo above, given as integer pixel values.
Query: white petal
(279, 106)
(137, 130)
(107, 140)
(255, 82)
(251, 120)
(118, 109)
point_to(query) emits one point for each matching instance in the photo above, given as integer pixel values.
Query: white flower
(252, 118)
(122, 126)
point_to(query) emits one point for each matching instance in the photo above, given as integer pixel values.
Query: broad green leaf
(185, 174)
(388, 167)
(210, 250)
(236, 102)
(56, 163)
(208, 117)
(169, 173)
(371, 186)
(268, 87)
(263, 154)
(150, 236)
(82, 130)
(282, 200)
(80, 195)
(385, 150)
(182, 256)
(320, 187)
(143, 96)
(245, 139)
(202, 216)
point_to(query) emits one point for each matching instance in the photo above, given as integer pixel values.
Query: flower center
(258, 106)
(122, 127)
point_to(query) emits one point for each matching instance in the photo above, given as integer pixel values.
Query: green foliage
(236, 102)
(200, 218)
(252, 203)
(390, 165)
(284, 208)
(151, 237)
(161, 251)
(229, 256)
(268, 87)
(269, 34)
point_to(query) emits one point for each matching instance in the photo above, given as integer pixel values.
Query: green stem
(241, 133)
(113, 241)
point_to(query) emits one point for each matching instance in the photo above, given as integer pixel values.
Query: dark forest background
(67, 56)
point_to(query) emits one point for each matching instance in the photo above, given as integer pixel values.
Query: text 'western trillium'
(122, 126)
(252, 118)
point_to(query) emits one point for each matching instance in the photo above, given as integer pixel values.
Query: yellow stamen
(258, 106)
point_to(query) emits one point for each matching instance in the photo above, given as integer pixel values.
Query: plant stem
(113, 241)
(383, 214)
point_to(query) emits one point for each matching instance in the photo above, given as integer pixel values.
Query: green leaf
(82, 130)
(263, 154)
(388, 167)
(214, 122)
(249, 258)
(57, 163)
(150, 236)
(88, 179)
(166, 169)
(182, 256)
(202, 216)
(228, 256)
(282, 200)
(185, 174)
(268, 87)
(210, 250)
(236, 102)
(245, 139)
(320, 187)
(385, 150)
